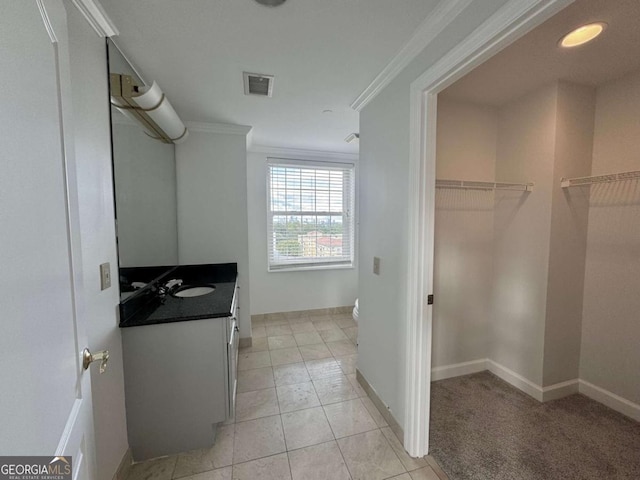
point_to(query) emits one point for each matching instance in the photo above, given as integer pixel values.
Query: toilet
(355, 312)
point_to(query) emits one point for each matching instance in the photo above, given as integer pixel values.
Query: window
(310, 214)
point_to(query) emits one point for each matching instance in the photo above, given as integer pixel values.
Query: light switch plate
(376, 265)
(105, 276)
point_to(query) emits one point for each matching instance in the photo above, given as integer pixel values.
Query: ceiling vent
(258, 84)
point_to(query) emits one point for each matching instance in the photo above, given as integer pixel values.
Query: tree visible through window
(310, 218)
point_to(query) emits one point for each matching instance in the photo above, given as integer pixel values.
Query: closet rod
(472, 185)
(612, 177)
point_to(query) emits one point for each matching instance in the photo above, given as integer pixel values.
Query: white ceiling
(323, 54)
(535, 59)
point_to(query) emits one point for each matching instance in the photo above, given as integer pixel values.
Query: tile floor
(300, 415)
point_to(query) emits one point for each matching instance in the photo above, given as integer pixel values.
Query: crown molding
(97, 17)
(303, 154)
(441, 16)
(224, 128)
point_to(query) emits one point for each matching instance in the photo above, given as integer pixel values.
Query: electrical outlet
(376, 265)
(105, 276)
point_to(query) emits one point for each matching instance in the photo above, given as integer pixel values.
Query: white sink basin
(188, 291)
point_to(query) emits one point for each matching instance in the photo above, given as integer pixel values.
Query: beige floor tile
(349, 418)
(303, 327)
(259, 344)
(258, 438)
(319, 462)
(275, 319)
(321, 324)
(334, 389)
(425, 473)
(274, 330)
(281, 341)
(251, 360)
(351, 333)
(436, 468)
(315, 352)
(307, 338)
(342, 348)
(290, 374)
(333, 335)
(345, 322)
(260, 403)
(409, 462)
(326, 367)
(297, 396)
(158, 469)
(256, 379)
(404, 476)
(285, 356)
(369, 456)
(356, 385)
(258, 332)
(306, 427)
(347, 364)
(219, 474)
(375, 414)
(275, 467)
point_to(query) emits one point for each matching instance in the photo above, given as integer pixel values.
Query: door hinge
(430, 299)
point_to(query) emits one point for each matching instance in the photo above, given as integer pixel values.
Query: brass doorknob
(88, 358)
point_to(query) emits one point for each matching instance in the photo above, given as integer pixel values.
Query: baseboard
(125, 466)
(381, 406)
(560, 390)
(458, 369)
(610, 399)
(317, 312)
(515, 379)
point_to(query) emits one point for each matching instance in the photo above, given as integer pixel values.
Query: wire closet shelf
(473, 185)
(611, 177)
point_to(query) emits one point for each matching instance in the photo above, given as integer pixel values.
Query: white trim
(97, 17)
(223, 128)
(515, 379)
(559, 390)
(302, 154)
(437, 20)
(458, 369)
(509, 23)
(611, 400)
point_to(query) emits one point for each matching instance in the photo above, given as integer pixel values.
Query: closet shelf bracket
(472, 185)
(611, 177)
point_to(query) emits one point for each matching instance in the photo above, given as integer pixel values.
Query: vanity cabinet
(180, 382)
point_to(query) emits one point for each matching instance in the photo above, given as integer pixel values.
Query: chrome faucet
(167, 287)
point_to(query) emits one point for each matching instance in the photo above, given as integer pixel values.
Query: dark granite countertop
(146, 307)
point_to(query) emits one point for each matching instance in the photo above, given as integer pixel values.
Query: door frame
(510, 22)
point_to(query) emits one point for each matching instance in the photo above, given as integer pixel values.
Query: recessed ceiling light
(271, 3)
(582, 35)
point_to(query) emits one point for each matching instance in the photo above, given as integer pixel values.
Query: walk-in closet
(536, 324)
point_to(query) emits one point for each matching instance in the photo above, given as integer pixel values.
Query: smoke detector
(258, 84)
(271, 3)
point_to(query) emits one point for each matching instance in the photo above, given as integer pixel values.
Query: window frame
(348, 215)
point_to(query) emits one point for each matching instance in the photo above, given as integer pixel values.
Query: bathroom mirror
(144, 171)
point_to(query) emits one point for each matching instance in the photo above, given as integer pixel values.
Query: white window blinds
(310, 220)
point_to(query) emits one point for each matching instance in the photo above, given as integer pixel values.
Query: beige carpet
(482, 429)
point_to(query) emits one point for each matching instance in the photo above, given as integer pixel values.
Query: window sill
(307, 268)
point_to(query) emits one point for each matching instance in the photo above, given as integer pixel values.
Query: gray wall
(384, 161)
(145, 177)
(466, 150)
(610, 327)
(97, 229)
(287, 291)
(212, 206)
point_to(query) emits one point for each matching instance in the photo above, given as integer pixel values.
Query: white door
(45, 401)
